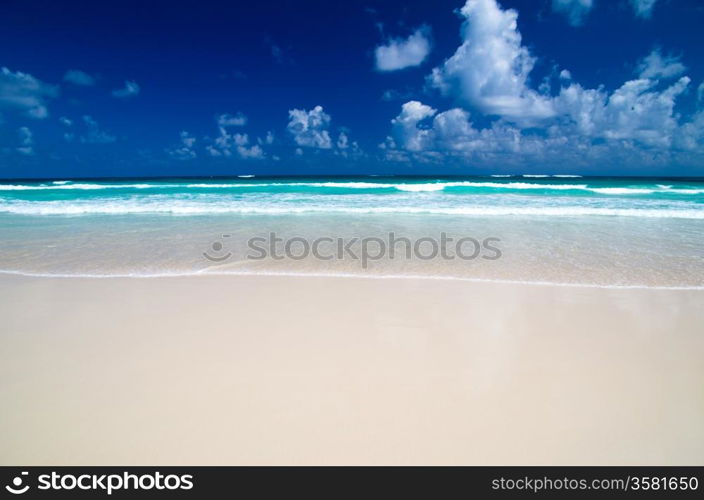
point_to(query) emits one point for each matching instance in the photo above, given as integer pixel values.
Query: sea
(543, 229)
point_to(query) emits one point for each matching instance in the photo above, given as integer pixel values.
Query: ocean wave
(419, 187)
(618, 190)
(191, 207)
(82, 187)
(360, 185)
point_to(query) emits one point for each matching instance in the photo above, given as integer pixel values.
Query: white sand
(281, 370)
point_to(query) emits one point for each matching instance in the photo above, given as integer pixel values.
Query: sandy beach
(308, 370)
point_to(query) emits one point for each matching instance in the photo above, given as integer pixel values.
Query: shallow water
(604, 232)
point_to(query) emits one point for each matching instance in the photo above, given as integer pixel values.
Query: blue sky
(598, 87)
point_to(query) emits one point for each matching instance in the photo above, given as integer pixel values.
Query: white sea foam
(41, 187)
(314, 274)
(420, 187)
(618, 190)
(404, 186)
(205, 207)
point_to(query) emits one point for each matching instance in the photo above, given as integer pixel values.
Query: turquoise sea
(552, 229)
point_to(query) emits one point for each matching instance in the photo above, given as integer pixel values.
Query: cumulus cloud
(93, 133)
(185, 150)
(634, 124)
(643, 8)
(406, 127)
(237, 145)
(635, 119)
(634, 111)
(399, 53)
(343, 141)
(78, 77)
(26, 141)
(268, 138)
(310, 128)
(575, 10)
(420, 128)
(489, 71)
(655, 65)
(228, 120)
(130, 89)
(24, 93)
(451, 136)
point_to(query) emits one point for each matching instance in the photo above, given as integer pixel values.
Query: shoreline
(332, 275)
(284, 370)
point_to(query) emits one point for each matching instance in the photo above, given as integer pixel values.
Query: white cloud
(310, 128)
(643, 8)
(78, 77)
(635, 111)
(253, 152)
(65, 121)
(130, 89)
(268, 138)
(406, 128)
(450, 136)
(228, 120)
(401, 53)
(26, 141)
(185, 150)
(634, 126)
(228, 145)
(655, 65)
(24, 93)
(93, 134)
(690, 136)
(489, 71)
(450, 131)
(700, 92)
(591, 125)
(575, 10)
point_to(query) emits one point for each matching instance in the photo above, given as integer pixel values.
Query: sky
(313, 87)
